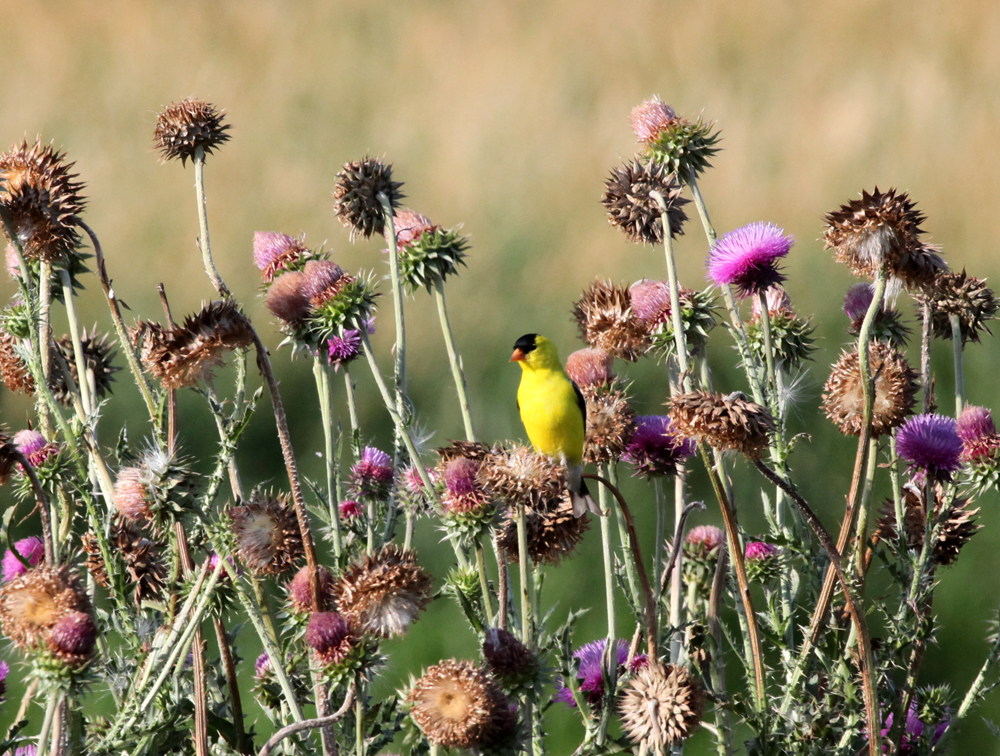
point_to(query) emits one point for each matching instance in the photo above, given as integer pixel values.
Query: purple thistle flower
(591, 673)
(28, 750)
(329, 635)
(978, 432)
(460, 476)
(371, 475)
(412, 480)
(263, 666)
(349, 509)
(318, 277)
(344, 348)
(654, 449)
(857, 301)
(914, 731)
(33, 551)
(759, 551)
(4, 671)
(273, 251)
(33, 445)
(650, 117)
(747, 257)
(706, 538)
(931, 444)
(650, 301)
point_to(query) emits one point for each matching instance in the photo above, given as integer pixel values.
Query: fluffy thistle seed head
(609, 424)
(185, 127)
(300, 589)
(655, 449)
(895, 391)
(32, 604)
(31, 549)
(267, 534)
(963, 295)
(631, 206)
(607, 321)
(661, 705)
(329, 635)
(978, 432)
(385, 592)
(930, 443)
(552, 533)
(747, 258)
(725, 422)
(355, 196)
(519, 476)
(274, 253)
(590, 367)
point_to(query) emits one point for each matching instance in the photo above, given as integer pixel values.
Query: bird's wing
(580, 402)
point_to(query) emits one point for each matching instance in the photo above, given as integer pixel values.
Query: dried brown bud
(267, 534)
(725, 422)
(661, 706)
(355, 197)
(607, 321)
(187, 126)
(963, 295)
(895, 391)
(630, 206)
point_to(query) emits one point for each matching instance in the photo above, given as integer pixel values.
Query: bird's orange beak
(518, 356)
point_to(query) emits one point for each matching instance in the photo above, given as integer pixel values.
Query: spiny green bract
(431, 257)
(685, 148)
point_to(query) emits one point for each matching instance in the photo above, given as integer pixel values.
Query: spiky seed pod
(385, 592)
(895, 391)
(267, 534)
(473, 450)
(607, 321)
(683, 147)
(286, 298)
(631, 208)
(456, 704)
(274, 253)
(882, 231)
(725, 422)
(553, 533)
(509, 660)
(519, 476)
(43, 200)
(661, 705)
(329, 635)
(355, 196)
(189, 125)
(190, 353)
(957, 529)
(13, 370)
(428, 253)
(963, 295)
(300, 589)
(141, 556)
(72, 638)
(590, 368)
(97, 355)
(609, 424)
(33, 603)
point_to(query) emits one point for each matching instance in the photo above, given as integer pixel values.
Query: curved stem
(457, 374)
(308, 724)
(203, 240)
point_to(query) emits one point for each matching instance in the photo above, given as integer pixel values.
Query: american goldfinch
(554, 413)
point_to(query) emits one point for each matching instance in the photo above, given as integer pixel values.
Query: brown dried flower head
(31, 605)
(508, 659)
(631, 206)
(385, 592)
(895, 391)
(190, 354)
(185, 127)
(882, 231)
(958, 527)
(607, 321)
(963, 295)
(457, 705)
(661, 706)
(553, 533)
(97, 356)
(725, 422)
(142, 557)
(355, 197)
(13, 370)
(473, 450)
(43, 200)
(609, 424)
(519, 476)
(268, 539)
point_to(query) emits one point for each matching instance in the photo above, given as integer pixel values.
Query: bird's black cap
(526, 343)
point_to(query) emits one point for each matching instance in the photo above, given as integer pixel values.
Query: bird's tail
(582, 500)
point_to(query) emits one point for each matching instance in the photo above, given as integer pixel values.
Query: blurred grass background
(506, 117)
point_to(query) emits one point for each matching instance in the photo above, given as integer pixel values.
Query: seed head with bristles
(963, 295)
(609, 424)
(14, 370)
(662, 705)
(607, 321)
(724, 422)
(895, 391)
(97, 356)
(521, 477)
(32, 604)
(267, 534)
(355, 197)
(183, 128)
(957, 528)
(552, 533)
(632, 208)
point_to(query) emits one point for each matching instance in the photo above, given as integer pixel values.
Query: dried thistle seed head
(724, 422)
(268, 539)
(43, 200)
(661, 705)
(609, 424)
(274, 253)
(553, 533)
(655, 449)
(329, 635)
(73, 637)
(185, 127)
(509, 660)
(930, 443)
(456, 704)
(299, 589)
(143, 561)
(606, 320)
(31, 549)
(747, 258)
(97, 355)
(590, 367)
(521, 477)
(963, 295)
(31, 605)
(650, 117)
(428, 253)
(13, 370)
(385, 592)
(881, 231)
(895, 391)
(189, 354)
(978, 432)
(958, 527)
(473, 450)
(286, 298)
(631, 207)
(355, 197)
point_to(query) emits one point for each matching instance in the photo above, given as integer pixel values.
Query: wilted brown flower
(268, 538)
(661, 706)
(97, 356)
(457, 705)
(882, 231)
(725, 422)
(958, 527)
(552, 533)
(963, 295)
(508, 659)
(607, 321)
(13, 370)
(895, 391)
(186, 355)
(609, 424)
(519, 476)
(355, 197)
(143, 562)
(43, 200)
(385, 592)
(473, 450)
(30, 605)
(631, 208)
(189, 125)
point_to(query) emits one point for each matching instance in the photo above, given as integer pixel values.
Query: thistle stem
(925, 357)
(484, 583)
(79, 358)
(203, 239)
(321, 373)
(457, 374)
(958, 349)
(609, 565)
(352, 413)
(308, 724)
(527, 637)
(680, 341)
(861, 537)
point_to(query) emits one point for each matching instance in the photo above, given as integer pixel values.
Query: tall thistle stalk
(457, 373)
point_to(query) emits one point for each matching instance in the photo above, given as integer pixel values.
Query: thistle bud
(185, 127)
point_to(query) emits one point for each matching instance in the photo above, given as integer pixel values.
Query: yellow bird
(554, 413)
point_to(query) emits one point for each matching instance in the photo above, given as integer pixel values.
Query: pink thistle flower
(655, 449)
(344, 348)
(651, 301)
(747, 258)
(329, 635)
(978, 432)
(349, 509)
(590, 367)
(33, 445)
(262, 668)
(410, 226)
(708, 537)
(33, 551)
(930, 443)
(300, 589)
(857, 301)
(591, 673)
(273, 252)
(651, 117)
(371, 475)
(758, 551)
(412, 480)
(319, 280)
(777, 301)
(286, 299)
(463, 495)
(4, 671)
(74, 634)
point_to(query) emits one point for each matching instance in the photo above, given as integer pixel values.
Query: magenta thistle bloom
(650, 301)
(410, 226)
(344, 348)
(654, 448)
(978, 432)
(591, 674)
(28, 750)
(707, 537)
(329, 635)
(650, 117)
(759, 551)
(273, 252)
(75, 634)
(33, 445)
(320, 278)
(371, 475)
(930, 443)
(4, 671)
(263, 666)
(33, 551)
(857, 301)
(777, 301)
(463, 495)
(412, 480)
(747, 258)
(349, 509)
(914, 731)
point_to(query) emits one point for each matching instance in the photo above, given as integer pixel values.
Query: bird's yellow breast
(550, 413)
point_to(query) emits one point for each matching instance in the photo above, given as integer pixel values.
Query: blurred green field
(506, 117)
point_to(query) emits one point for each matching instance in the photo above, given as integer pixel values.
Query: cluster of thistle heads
(136, 550)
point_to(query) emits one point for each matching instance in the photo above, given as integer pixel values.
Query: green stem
(861, 537)
(484, 584)
(352, 413)
(69, 296)
(680, 341)
(203, 238)
(51, 705)
(676, 584)
(321, 373)
(609, 565)
(457, 374)
(958, 349)
(772, 381)
(925, 356)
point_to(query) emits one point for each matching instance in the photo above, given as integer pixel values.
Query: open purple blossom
(857, 301)
(343, 348)
(371, 475)
(978, 432)
(591, 674)
(747, 258)
(759, 551)
(349, 509)
(654, 448)
(914, 731)
(28, 750)
(33, 445)
(4, 671)
(930, 443)
(31, 549)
